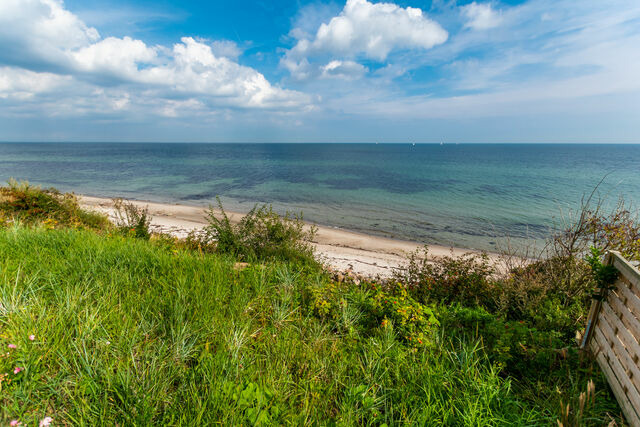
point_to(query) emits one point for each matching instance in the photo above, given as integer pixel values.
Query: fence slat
(634, 289)
(608, 330)
(629, 320)
(628, 298)
(627, 407)
(613, 335)
(629, 272)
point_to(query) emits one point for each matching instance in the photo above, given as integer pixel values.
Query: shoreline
(342, 250)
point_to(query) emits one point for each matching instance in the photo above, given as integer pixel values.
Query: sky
(311, 71)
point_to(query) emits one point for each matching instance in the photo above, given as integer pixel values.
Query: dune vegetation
(104, 323)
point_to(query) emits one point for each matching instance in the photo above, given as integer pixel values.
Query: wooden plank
(628, 298)
(591, 320)
(616, 366)
(633, 418)
(625, 268)
(628, 319)
(634, 289)
(626, 336)
(616, 343)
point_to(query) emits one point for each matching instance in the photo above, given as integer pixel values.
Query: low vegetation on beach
(105, 323)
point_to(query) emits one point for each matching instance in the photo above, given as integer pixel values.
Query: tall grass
(109, 329)
(130, 333)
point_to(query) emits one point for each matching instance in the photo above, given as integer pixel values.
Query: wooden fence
(613, 335)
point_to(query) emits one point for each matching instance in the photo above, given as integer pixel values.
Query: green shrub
(550, 294)
(27, 204)
(260, 235)
(465, 280)
(413, 322)
(519, 349)
(131, 219)
(377, 308)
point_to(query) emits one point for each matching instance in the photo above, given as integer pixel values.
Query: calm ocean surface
(468, 195)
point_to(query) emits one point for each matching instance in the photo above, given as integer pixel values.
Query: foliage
(412, 321)
(371, 307)
(593, 225)
(521, 350)
(27, 204)
(605, 275)
(131, 219)
(447, 280)
(551, 294)
(254, 402)
(260, 235)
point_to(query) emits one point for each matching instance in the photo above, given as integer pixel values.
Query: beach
(339, 249)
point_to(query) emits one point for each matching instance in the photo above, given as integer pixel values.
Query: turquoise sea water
(469, 195)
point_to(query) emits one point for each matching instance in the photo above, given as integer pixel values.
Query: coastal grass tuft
(260, 235)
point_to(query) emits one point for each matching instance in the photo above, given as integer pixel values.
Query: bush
(465, 280)
(412, 321)
(22, 202)
(552, 294)
(131, 219)
(519, 349)
(372, 308)
(260, 235)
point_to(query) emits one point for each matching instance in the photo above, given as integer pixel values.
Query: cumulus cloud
(45, 41)
(480, 16)
(113, 55)
(194, 69)
(364, 29)
(374, 30)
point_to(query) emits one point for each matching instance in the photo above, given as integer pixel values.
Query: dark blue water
(468, 195)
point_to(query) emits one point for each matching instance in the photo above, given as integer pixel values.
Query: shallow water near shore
(463, 195)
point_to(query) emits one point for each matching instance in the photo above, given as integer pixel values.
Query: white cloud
(374, 30)
(480, 16)
(194, 69)
(226, 48)
(113, 55)
(22, 84)
(172, 108)
(39, 35)
(347, 70)
(40, 30)
(364, 29)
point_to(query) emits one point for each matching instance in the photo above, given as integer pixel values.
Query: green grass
(130, 333)
(98, 327)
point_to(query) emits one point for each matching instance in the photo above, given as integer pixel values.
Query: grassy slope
(127, 332)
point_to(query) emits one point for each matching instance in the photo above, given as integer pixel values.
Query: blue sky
(301, 71)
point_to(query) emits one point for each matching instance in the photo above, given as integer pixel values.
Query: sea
(481, 196)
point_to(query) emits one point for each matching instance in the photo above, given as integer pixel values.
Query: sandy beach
(342, 250)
